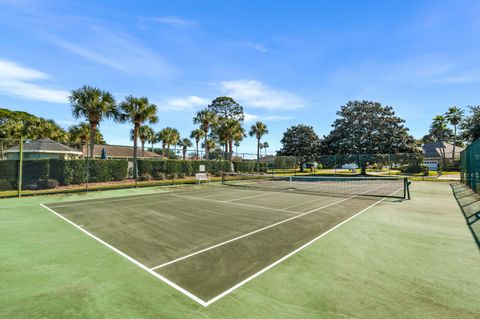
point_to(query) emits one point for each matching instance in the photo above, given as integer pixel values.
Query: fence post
(20, 167)
(335, 165)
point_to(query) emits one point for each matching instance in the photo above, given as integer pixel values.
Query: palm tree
(210, 145)
(185, 143)
(265, 146)
(170, 137)
(153, 139)
(197, 134)
(145, 134)
(80, 133)
(454, 115)
(205, 118)
(439, 131)
(137, 111)
(258, 130)
(162, 137)
(94, 105)
(238, 136)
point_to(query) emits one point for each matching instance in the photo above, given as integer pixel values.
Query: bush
(451, 168)
(48, 184)
(145, 177)
(181, 175)
(158, 175)
(172, 176)
(415, 169)
(35, 170)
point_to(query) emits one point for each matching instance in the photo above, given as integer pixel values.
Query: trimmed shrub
(48, 184)
(181, 175)
(145, 177)
(158, 175)
(451, 168)
(35, 170)
(415, 169)
(185, 168)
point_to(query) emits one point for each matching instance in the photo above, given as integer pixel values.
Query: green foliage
(300, 140)
(35, 170)
(227, 108)
(158, 169)
(37, 173)
(8, 175)
(415, 169)
(365, 127)
(250, 167)
(16, 125)
(470, 126)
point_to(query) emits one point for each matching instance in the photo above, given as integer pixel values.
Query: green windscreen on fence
(470, 165)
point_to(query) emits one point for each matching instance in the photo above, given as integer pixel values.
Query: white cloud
(247, 44)
(170, 20)
(184, 103)
(116, 50)
(256, 94)
(251, 117)
(16, 80)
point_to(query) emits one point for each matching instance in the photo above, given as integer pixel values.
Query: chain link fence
(470, 166)
(46, 166)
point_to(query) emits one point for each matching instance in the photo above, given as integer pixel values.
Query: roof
(115, 151)
(44, 145)
(437, 149)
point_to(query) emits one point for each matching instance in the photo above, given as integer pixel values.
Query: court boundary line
(122, 198)
(250, 233)
(257, 230)
(129, 258)
(237, 204)
(243, 282)
(228, 291)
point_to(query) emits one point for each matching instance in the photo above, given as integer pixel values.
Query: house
(43, 148)
(118, 152)
(434, 153)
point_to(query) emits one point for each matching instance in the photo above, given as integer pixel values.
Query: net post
(406, 188)
(20, 168)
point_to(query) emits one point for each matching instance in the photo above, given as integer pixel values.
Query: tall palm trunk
(206, 145)
(230, 151)
(135, 137)
(454, 143)
(184, 152)
(143, 148)
(258, 148)
(196, 143)
(93, 132)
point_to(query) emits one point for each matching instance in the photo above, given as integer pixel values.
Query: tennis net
(339, 186)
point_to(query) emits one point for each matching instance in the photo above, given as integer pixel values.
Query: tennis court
(208, 240)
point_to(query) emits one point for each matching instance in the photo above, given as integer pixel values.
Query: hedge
(250, 167)
(186, 167)
(66, 172)
(415, 169)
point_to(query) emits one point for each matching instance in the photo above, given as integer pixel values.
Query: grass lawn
(408, 259)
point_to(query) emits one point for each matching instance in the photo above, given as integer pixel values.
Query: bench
(199, 177)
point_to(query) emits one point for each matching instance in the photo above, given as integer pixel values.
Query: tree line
(220, 124)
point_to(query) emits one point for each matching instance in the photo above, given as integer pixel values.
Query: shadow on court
(469, 203)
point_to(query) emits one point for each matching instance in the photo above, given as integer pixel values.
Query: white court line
(136, 262)
(236, 204)
(226, 292)
(251, 233)
(258, 230)
(189, 294)
(253, 196)
(123, 198)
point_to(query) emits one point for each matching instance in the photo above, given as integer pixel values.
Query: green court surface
(225, 252)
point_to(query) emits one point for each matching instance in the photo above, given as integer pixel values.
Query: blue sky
(286, 62)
